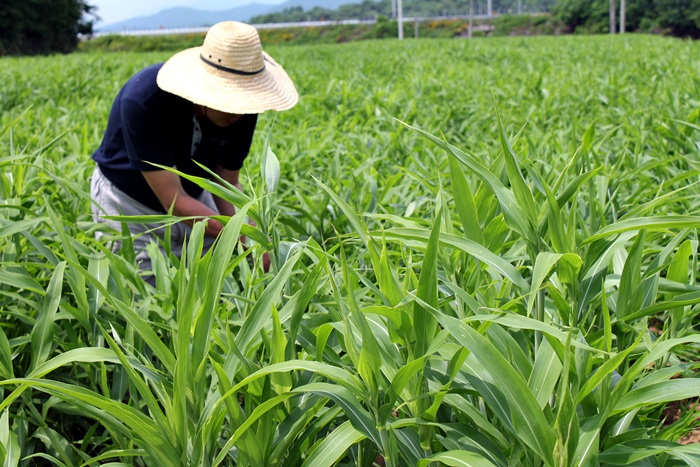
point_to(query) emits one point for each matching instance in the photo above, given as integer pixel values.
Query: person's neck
(199, 111)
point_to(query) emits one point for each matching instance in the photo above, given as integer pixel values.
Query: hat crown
(235, 46)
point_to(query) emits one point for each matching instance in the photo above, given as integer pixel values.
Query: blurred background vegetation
(383, 29)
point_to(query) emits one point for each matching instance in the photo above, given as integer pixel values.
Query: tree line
(675, 17)
(29, 27)
(421, 8)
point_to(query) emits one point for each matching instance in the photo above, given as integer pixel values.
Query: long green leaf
(259, 315)
(464, 203)
(629, 298)
(472, 248)
(355, 221)
(329, 451)
(259, 411)
(216, 273)
(604, 370)
(515, 176)
(634, 451)
(6, 367)
(665, 391)
(21, 281)
(10, 452)
(43, 331)
(649, 223)
(335, 374)
(424, 324)
(528, 419)
(359, 417)
(457, 459)
(11, 228)
(545, 374)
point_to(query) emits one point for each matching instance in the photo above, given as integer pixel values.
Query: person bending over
(201, 106)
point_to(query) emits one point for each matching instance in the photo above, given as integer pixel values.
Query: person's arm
(231, 176)
(168, 188)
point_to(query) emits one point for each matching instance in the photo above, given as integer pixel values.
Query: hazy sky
(111, 11)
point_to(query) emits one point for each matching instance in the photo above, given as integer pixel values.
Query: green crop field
(483, 253)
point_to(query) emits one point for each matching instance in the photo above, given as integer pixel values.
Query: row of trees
(373, 9)
(41, 26)
(676, 17)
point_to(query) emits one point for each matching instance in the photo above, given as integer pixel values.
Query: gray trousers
(111, 201)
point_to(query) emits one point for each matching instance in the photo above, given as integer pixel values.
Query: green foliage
(42, 26)
(584, 15)
(524, 25)
(483, 253)
(373, 9)
(681, 17)
(676, 17)
(118, 43)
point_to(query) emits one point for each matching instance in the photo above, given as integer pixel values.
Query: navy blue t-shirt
(147, 124)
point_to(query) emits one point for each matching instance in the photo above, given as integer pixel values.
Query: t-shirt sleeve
(149, 136)
(231, 155)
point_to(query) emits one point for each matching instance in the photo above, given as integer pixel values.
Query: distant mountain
(182, 17)
(308, 4)
(217, 5)
(221, 5)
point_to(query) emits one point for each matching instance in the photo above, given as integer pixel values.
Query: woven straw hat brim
(186, 75)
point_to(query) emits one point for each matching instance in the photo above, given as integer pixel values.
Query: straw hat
(229, 73)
